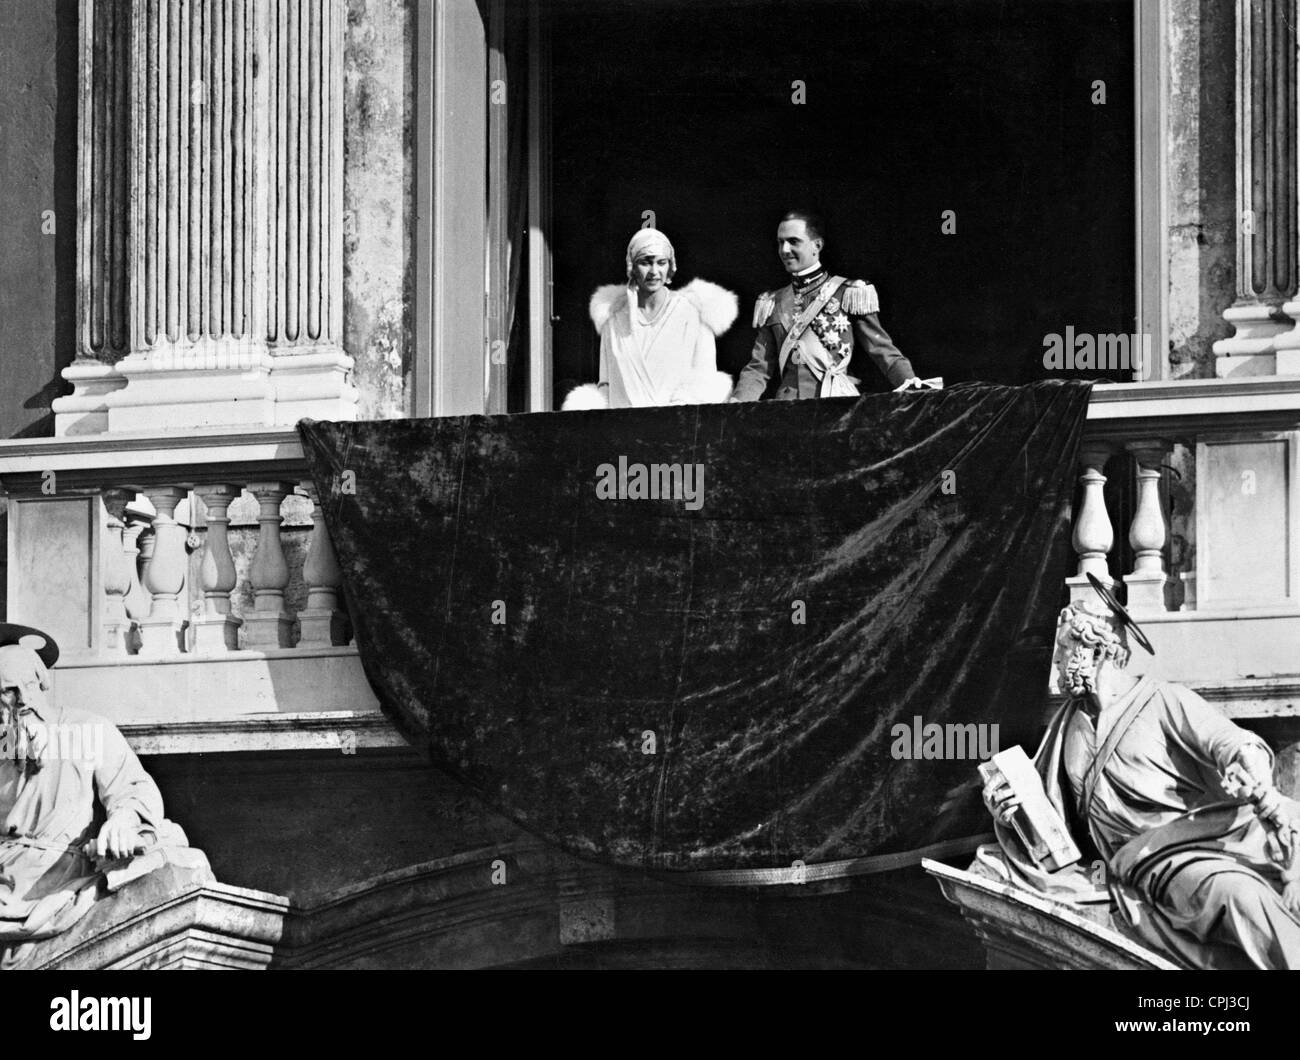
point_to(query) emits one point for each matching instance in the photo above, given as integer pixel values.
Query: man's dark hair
(812, 221)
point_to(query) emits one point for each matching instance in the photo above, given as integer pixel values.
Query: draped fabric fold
(715, 676)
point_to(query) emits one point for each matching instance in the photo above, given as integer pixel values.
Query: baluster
(321, 623)
(1147, 535)
(217, 629)
(269, 625)
(164, 576)
(1093, 535)
(137, 601)
(146, 557)
(116, 573)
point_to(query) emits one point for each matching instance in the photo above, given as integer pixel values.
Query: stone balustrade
(192, 587)
(191, 584)
(169, 577)
(186, 581)
(1188, 496)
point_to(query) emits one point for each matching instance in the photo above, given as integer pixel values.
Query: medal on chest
(831, 327)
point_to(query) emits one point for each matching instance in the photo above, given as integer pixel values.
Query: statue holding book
(1145, 796)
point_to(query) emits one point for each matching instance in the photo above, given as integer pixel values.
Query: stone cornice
(181, 458)
(1135, 411)
(341, 731)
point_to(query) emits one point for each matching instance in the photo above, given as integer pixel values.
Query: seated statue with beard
(76, 805)
(1199, 847)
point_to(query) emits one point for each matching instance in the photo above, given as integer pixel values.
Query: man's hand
(917, 383)
(1256, 763)
(1000, 800)
(1283, 814)
(120, 836)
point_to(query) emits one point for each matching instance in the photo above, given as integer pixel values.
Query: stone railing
(1188, 495)
(191, 585)
(190, 582)
(158, 601)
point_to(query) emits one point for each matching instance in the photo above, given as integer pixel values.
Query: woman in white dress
(656, 344)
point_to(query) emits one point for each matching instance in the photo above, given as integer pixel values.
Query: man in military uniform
(806, 331)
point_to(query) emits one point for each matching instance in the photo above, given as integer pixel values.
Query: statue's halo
(1120, 612)
(28, 637)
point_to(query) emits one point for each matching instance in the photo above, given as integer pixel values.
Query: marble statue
(79, 816)
(1197, 847)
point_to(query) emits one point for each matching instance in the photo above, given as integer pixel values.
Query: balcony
(198, 602)
(192, 589)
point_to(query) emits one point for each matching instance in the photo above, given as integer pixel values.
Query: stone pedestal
(1288, 345)
(166, 911)
(85, 410)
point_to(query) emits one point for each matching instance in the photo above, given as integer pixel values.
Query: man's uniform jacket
(839, 325)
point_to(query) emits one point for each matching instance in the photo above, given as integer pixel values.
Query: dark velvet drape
(855, 564)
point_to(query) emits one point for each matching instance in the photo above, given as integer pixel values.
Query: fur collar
(716, 305)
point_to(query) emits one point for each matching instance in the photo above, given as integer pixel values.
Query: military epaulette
(859, 298)
(763, 307)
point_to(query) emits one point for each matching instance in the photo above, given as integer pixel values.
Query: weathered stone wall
(306, 824)
(1201, 154)
(378, 201)
(38, 113)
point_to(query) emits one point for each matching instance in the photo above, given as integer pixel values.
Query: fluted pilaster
(102, 182)
(1266, 188)
(211, 181)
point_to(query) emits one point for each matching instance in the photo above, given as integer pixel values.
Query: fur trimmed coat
(669, 360)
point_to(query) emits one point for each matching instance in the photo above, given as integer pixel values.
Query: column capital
(1150, 452)
(164, 499)
(218, 494)
(1094, 452)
